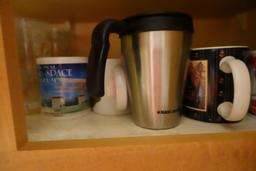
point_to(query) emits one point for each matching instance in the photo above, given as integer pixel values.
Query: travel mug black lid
(158, 21)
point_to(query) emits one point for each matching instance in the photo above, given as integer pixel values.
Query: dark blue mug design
(217, 87)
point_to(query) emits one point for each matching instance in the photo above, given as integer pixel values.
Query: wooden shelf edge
(248, 136)
(225, 151)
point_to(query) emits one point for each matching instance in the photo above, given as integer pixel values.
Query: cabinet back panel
(208, 32)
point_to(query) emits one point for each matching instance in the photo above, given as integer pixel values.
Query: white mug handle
(121, 89)
(242, 89)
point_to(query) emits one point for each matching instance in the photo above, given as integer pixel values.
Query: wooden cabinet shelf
(95, 126)
(191, 146)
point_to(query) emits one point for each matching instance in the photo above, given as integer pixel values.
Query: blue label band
(63, 87)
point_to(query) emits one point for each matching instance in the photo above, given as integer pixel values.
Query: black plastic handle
(98, 55)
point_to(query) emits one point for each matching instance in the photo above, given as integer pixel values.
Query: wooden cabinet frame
(223, 151)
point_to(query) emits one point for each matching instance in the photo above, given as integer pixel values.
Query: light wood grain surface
(6, 126)
(13, 112)
(236, 152)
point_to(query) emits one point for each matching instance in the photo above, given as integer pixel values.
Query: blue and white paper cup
(63, 84)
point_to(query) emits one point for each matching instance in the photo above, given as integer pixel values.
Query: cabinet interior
(217, 23)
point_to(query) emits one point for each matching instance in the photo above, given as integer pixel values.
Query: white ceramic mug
(115, 100)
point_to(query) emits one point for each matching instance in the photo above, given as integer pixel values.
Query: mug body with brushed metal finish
(155, 63)
(155, 49)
